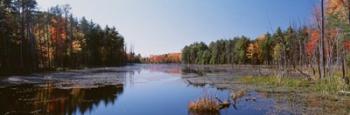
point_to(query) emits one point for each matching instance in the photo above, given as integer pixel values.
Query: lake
(145, 89)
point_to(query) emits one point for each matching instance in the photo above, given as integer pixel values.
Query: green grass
(274, 81)
(329, 85)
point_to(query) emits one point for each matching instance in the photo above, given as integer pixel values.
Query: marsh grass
(328, 85)
(204, 105)
(274, 81)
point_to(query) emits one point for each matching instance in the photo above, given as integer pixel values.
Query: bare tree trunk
(343, 51)
(48, 41)
(300, 53)
(22, 37)
(319, 64)
(343, 65)
(322, 49)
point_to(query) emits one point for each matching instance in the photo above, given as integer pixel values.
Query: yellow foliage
(76, 46)
(337, 7)
(277, 52)
(254, 50)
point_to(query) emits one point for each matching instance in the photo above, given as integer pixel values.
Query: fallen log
(237, 95)
(344, 92)
(223, 104)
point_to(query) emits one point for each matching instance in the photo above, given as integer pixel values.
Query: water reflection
(175, 69)
(30, 99)
(163, 89)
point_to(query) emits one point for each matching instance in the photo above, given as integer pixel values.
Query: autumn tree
(253, 52)
(33, 40)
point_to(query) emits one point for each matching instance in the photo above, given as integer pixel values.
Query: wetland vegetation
(52, 62)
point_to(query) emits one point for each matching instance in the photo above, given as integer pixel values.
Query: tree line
(163, 58)
(320, 49)
(266, 49)
(33, 40)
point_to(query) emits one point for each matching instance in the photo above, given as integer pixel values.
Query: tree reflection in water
(30, 99)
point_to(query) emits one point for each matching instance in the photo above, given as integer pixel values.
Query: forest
(321, 48)
(266, 49)
(163, 58)
(32, 40)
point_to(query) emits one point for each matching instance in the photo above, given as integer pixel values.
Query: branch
(302, 73)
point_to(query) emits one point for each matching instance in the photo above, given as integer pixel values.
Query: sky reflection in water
(147, 89)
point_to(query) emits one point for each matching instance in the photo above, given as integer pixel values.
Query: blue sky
(162, 26)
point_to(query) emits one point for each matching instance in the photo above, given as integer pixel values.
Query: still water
(129, 90)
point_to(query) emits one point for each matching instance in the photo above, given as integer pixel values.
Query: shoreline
(302, 93)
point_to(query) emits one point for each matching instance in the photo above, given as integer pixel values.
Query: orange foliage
(253, 51)
(58, 33)
(337, 7)
(165, 58)
(347, 45)
(76, 45)
(312, 43)
(204, 105)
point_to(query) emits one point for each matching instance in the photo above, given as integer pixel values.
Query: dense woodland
(320, 49)
(33, 40)
(266, 49)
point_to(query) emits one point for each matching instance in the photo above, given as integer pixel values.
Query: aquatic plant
(236, 95)
(204, 105)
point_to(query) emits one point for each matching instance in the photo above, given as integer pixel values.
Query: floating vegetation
(208, 106)
(275, 81)
(204, 105)
(236, 95)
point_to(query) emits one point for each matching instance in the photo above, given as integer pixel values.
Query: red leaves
(166, 58)
(347, 45)
(58, 33)
(312, 43)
